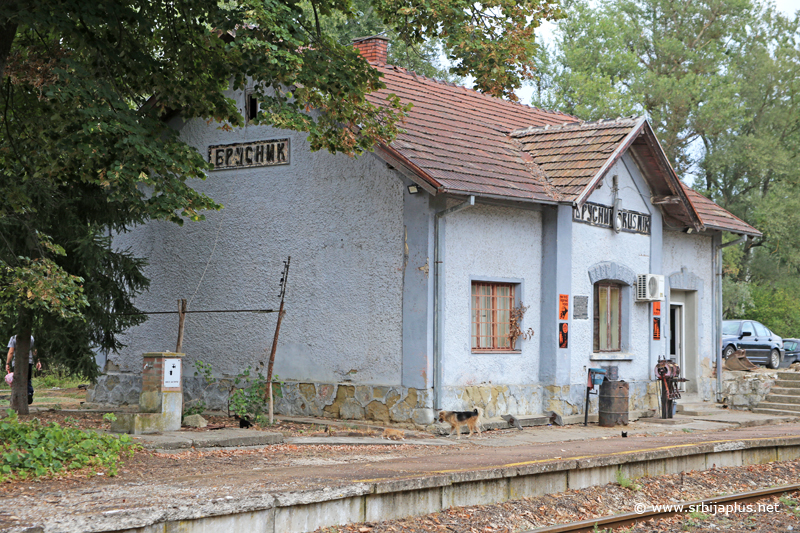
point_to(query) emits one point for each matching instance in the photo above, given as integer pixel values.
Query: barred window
(607, 306)
(491, 316)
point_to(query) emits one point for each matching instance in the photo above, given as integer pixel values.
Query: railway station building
(488, 257)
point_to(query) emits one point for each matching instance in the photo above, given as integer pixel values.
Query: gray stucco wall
(688, 267)
(341, 220)
(593, 246)
(491, 243)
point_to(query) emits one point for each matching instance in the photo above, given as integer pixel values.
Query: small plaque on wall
(580, 307)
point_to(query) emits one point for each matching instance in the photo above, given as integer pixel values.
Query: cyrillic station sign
(254, 154)
(602, 216)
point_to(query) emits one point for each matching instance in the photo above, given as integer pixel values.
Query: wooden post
(181, 319)
(275, 339)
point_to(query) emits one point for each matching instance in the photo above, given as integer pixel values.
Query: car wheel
(774, 359)
(728, 351)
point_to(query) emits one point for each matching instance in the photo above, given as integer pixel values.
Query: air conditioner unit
(649, 287)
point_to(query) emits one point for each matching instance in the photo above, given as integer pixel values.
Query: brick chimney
(374, 49)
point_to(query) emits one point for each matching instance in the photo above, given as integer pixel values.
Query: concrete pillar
(161, 399)
(554, 362)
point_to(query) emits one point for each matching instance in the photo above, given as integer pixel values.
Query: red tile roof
(573, 154)
(460, 137)
(459, 141)
(715, 217)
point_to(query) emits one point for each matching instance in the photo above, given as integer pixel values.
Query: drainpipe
(438, 297)
(718, 305)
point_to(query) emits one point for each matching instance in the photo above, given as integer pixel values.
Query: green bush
(32, 449)
(247, 397)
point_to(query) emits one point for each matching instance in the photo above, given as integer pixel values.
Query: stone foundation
(745, 390)
(571, 399)
(379, 403)
(495, 400)
(383, 403)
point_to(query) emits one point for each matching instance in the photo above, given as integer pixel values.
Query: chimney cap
(360, 39)
(374, 48)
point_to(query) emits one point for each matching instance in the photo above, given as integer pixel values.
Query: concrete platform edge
(371, 500)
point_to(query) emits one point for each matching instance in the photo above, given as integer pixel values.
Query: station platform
(301, 493)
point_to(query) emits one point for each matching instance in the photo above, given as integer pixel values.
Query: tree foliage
(86, 91)
(720, 81)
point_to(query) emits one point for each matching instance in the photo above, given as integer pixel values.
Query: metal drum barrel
(613, 403)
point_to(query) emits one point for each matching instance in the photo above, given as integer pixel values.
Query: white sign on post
(172, 373)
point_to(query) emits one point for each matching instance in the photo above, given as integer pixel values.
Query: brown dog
(456, 419)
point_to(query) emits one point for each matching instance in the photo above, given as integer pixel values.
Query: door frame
(681, 344)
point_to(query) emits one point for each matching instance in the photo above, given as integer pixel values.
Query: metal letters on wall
(601, 216)
(244, 155)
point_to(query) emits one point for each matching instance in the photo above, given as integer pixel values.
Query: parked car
(792, 349)
(761, 344)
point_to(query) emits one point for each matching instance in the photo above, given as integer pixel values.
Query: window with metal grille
(607, 306)
(491, 316)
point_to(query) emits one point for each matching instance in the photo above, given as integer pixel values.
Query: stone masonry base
(383, 403)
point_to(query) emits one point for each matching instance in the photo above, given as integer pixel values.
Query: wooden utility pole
(275, 339)
(181, 320)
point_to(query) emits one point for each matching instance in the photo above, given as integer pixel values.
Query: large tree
(85, 152)
(720, 81)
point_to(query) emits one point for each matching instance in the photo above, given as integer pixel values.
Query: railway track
(629, 519)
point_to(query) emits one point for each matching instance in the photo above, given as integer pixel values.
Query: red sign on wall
(563, 306)
(656, 308)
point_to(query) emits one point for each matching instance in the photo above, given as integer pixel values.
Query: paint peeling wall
(490, 243)
(341, 220)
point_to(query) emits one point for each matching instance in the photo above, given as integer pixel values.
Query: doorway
(684, 335)
(677, 339)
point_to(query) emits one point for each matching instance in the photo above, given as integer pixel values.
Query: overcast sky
(545, 33)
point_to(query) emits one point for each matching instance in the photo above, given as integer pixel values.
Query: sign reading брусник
(254, 154)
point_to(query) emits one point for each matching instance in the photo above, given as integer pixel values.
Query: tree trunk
(8, 30)
(19, 389)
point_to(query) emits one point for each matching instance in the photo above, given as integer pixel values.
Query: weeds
(793, 506)
(247, 397)
(625, 482)
(31, 449)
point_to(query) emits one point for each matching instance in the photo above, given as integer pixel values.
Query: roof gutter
(610, 162)
(438, 297)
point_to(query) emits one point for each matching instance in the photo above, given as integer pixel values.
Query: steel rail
(629, 519)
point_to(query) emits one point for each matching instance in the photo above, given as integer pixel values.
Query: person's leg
(30, 383)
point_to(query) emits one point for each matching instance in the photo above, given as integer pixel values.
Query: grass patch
(625, 482)
(32, 449)
(56, 376)
(793, 506)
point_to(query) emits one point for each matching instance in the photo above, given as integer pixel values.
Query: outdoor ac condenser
(649, 287)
